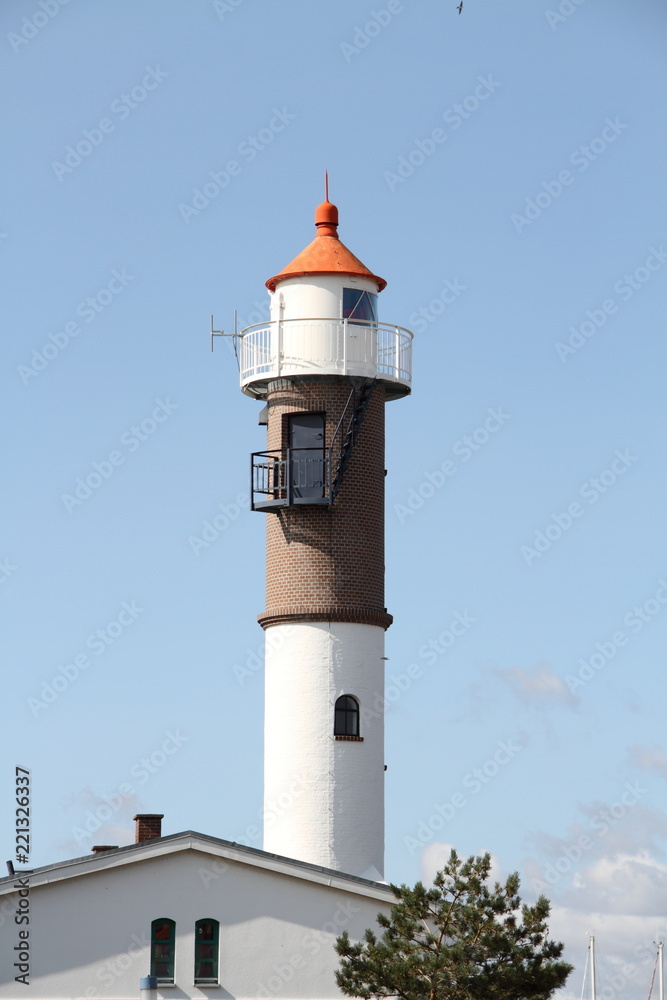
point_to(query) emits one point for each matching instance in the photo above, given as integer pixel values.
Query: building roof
(326, 254)
(190, 840)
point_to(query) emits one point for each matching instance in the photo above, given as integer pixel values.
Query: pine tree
(459, 940)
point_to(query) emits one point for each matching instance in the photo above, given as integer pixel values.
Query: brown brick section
(326, 563)
(148, 826)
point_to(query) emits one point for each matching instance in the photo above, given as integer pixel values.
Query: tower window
(206, 951)
(359, 305)
(346, 716)
(163, 940)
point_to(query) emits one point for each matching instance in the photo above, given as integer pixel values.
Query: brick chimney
(148, 826)
(100, 848)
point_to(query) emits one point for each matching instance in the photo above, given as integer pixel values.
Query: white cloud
(607, 876)
(623, 826)
(625, 952)
(435, 856)
(649, 759)
(539, 685)
(629, 884)
(619, 900)
(100, 819)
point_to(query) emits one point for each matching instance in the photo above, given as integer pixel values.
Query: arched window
(206, 951)
(163, 941)
(346, 716)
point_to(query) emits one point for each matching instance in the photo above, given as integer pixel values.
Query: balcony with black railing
(288, 476)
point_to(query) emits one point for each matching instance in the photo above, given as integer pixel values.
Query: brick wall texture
(326, 562)
(147, 826)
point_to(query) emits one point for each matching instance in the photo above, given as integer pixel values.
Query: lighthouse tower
(325, 366)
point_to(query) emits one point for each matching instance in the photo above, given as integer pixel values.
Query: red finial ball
(326, 219)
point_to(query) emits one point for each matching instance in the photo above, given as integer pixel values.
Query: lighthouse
(324, 366)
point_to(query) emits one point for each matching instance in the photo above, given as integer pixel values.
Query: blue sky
(504, 171)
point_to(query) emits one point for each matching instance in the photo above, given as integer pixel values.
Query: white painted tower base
(323, 797)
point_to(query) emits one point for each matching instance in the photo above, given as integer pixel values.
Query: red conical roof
(326, 254)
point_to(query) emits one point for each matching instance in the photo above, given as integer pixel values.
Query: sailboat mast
(592, 951)
(661, 978)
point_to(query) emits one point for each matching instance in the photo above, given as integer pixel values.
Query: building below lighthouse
(193, 916)
(325, 366)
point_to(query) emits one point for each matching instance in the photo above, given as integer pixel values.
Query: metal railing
(326, 346)
(286, 476)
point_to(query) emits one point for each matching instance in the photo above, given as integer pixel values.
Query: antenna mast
(661, 978)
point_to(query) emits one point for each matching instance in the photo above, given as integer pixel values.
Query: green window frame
(207, 937)
(163, 946)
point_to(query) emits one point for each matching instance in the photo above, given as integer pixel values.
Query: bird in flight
(460, 7)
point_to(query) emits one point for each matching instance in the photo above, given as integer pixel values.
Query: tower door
(307, 455)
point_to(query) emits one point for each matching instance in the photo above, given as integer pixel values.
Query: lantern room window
(360, 305)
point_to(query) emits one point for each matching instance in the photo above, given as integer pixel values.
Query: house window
(346, 717)
(206, 951)
(163, 940)
(359, 305)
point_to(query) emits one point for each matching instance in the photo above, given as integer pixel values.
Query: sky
(503, 169)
